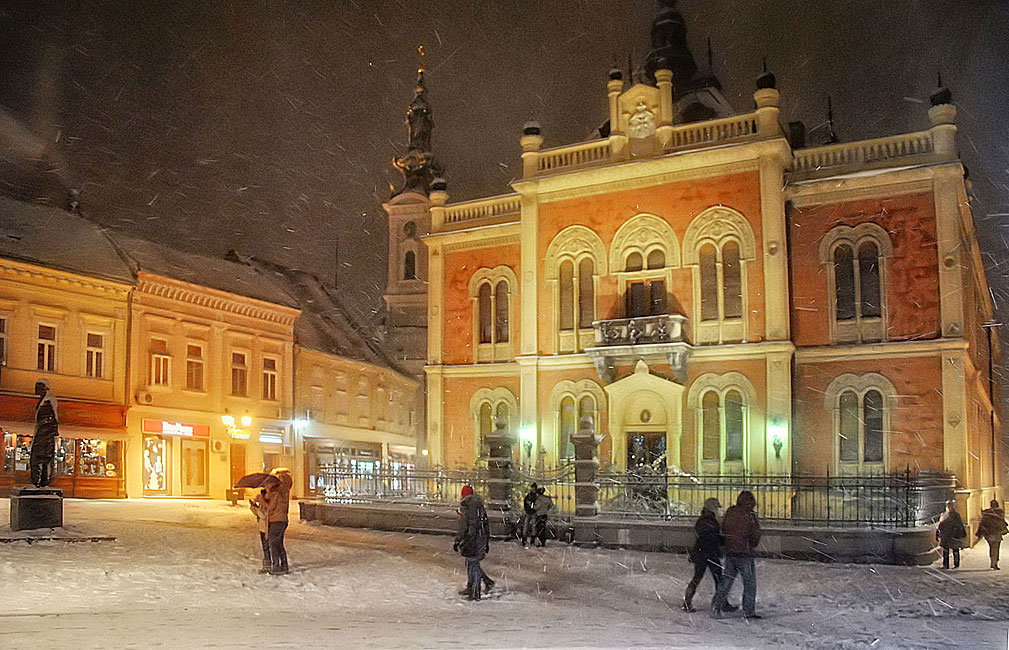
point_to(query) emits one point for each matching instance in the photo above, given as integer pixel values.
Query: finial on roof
(831, 134)
(418, 164)
(669, 42)
(766, 79)
(942, 94)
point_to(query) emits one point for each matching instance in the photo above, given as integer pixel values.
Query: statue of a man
(43, 449)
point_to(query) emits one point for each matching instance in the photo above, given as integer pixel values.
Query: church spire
(418, 165)
(669, 45)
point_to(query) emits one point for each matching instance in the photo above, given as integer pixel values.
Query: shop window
(161, 363)
(194, 367)
(47, 348)
(100, 458)
(239, 374)
(155, 464)
(94, 356)
(269, 378)
(16, 452)
(63, 458)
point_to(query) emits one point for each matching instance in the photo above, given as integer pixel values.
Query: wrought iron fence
(559, 483)
(403, 485)
(897, 500)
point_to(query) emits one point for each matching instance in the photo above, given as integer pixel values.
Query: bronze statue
(43, 449)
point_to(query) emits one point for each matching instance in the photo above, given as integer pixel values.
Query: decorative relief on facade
(641, 123)
(570, 243)
(643, 233)
(715, 224)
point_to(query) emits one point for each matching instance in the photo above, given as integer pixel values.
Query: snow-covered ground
(183, 574)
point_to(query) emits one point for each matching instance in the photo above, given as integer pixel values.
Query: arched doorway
(645, 415)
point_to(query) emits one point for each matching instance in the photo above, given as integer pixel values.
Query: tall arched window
(860, 422)
(709, 282)
(569, 402)
(855, 257)
(733, 425)
(576, 300)
(732, 281)
(721, 282)
(586, 293)
(490, 292)
(721, 406)
(486, 422)
(487, 406)
(569, 426)
(711, 427)
(410, 266)
(486, 317)
(567, 297)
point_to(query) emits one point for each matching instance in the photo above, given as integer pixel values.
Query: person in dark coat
(544, 503)
(529, 515)
(43, 449)
(742, 534)
(992, 528)
(706, 553)
(277, 501)
(472, 541)
(950, 534)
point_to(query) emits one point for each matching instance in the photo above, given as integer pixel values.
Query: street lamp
(228, 419)
(246, 420)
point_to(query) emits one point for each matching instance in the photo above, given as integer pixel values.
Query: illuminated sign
(164, 428)
(239, 434)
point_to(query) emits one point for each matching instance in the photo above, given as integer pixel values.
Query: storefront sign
(176, 428)
(239, 434)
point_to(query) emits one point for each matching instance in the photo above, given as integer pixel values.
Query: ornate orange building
(719, 296)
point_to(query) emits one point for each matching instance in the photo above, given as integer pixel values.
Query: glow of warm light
(777, 430)
(424, 452)
(246, 420)
(228, 420)
(300, 423)
(528, 434)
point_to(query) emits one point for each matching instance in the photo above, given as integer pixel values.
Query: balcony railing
(661, 328)
(864, 152)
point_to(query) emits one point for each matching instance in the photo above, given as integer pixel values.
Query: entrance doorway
(194, 467)
(646, 452)
(237, 462)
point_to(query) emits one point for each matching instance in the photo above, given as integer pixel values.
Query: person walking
(278, 500)
(544, 503)
(472, 541)
(43, 446)
(529, 515)
(258, 508)
(706, 553)
(741, 531)
(993, 527)
(950, 534)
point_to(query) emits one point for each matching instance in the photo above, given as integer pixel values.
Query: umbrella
(257, 480)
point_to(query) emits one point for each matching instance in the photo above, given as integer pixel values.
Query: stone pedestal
(499, 462)
(33, 507)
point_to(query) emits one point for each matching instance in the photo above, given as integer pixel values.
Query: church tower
(409, 219)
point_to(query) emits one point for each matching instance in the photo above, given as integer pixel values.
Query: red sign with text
(161, 427)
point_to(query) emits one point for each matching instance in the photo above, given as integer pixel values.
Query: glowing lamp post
(777, 432)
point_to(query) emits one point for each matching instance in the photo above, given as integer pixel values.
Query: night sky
(269, 126)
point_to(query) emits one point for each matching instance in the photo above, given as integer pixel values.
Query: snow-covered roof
(57, 239)
(204, 270)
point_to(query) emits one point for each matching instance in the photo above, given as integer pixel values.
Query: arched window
(486, 319)
(586, 293)
(721, 404)
(567, 297)
(501, 412)
(855, 257)
(410, 266)
(501, 312)
(656, 259)
(490, 292)
(718, 243)
(860, 421)
(569, 426)
(487, 406)
(486, 420)
(633, 262)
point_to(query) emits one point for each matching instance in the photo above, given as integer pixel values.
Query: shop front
(174, 458)
(354, 456)
(90, 450)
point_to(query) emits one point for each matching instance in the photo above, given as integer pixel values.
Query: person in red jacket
(742, 534)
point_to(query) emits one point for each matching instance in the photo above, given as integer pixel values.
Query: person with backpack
(472, 541)
(706, 553)
(544, 503)
(950, 534)
(993, 527)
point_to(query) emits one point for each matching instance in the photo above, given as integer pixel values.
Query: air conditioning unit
(218, 446)
(145, 397)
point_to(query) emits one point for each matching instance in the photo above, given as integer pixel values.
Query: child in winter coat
(258, 508)
(950, 534)
(992, 528)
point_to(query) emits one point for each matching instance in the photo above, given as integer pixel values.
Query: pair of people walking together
(738, 534)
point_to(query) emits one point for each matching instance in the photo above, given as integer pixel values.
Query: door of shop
(194, 467)
(237, 462)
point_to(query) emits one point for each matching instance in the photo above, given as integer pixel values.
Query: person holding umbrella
(258, 508)
(274, 502)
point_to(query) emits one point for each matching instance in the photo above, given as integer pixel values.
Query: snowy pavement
(183, 574)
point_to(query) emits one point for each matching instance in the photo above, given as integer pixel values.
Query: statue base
(33, 507)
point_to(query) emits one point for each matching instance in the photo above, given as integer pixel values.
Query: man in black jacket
(529, 515)
(992, 528)
(472, 541)
(706, 554)
(43, 449)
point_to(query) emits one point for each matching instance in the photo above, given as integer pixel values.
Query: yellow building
(64, 294)
(210, 384)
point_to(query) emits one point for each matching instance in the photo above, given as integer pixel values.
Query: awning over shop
(77, 419)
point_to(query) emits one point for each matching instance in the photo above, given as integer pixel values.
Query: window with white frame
(721, 404)
(718, 244)
(194, 367)
(642, 254)
(269, 378)
(94, 355)
(861, 405)
(570, 402)
(645, 284)
(490, 291)
(855, 257)
(239, 374)
(47, 348)
(161, 363)
(574, 259)
(487, 406)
